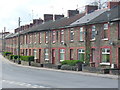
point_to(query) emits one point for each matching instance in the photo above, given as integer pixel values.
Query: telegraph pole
(4, 39)
(19, 41)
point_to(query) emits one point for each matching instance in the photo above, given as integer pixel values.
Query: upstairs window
(62, 36)
(93, 32)
(30, 41)
(105, 55)
(119, 30)
(105, 32)
(72, 34)
(35, 37)
(81, 34)
(53, 36)
(46, 37)
(40, 37)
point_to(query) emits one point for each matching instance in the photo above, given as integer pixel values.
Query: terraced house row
(92, 36)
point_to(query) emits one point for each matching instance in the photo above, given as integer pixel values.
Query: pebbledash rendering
(93, 35)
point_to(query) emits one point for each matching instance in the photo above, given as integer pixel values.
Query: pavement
(66, 71)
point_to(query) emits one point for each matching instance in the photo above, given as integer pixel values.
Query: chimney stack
(112, 4)
(48, 17)
(72, 12)
(56, 17)
(90, 8)
(37, 21)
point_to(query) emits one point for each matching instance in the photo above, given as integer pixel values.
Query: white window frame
(81, 33)
(35, 53)
(62, 35)
(53, 36)
(35, 37)
(46, 37)
(105, 28)
(93, 30)
(46, 53)
(40, 37)
(62, 52)
(72, 33)
(105, 52)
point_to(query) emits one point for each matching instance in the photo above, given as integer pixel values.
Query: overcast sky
(10, 10)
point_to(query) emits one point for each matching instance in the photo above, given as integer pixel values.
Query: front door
(53, 56)
(39, 56)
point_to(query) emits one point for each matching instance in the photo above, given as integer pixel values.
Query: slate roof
(87, 18)
(56, 24)
(63, 22)
(99, 16)
(109, 15)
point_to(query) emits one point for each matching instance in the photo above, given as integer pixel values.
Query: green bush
(11, 57)
(15, 57)
(71, 62)
(7, 53)
(27, 58)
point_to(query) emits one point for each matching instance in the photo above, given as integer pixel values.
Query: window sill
(105, 39)
(71, 41)
(92, 40)
(107, 64)
(81, 41)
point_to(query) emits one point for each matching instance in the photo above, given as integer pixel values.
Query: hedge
(7, 53)
(15, 57)
(71, 62)
(27, 58)
(11, 57)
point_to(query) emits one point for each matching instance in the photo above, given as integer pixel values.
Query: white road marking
(24, 84)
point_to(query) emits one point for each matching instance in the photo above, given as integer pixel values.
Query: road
(14, 76)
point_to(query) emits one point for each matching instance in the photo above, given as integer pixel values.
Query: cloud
(12, 9)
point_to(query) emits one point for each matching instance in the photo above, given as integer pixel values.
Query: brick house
(92, 36)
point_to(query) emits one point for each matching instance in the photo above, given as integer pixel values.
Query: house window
(81, 34)
(81, 53)
(35, 53)
(35, 38)
(105, 33)
(62, 55)
(119, 30)
(105, 55)
(53, 36)
(30, 38)
(24, 39)
(71, 34)
(93, 32)
(62, 36)
(40, 37)
(46, 54)
(46, 37)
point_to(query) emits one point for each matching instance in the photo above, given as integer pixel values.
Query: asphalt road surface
(14, 76)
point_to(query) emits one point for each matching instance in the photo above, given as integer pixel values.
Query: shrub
(71, 62)
(11, 57)
(7, 53)
(15, 57)
(27, 58)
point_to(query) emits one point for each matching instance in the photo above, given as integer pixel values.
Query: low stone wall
(95, 70)
(68, 67)
(115, 71)
(36, 64)
(25, 63)
(49, 65)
